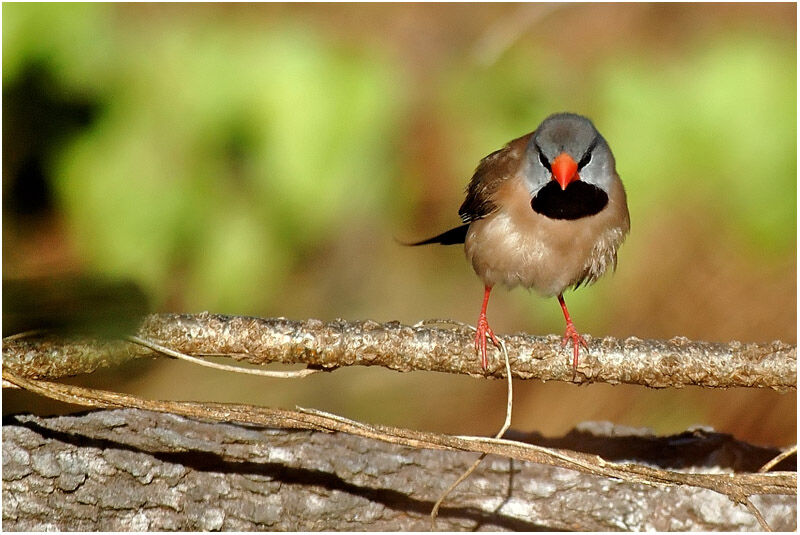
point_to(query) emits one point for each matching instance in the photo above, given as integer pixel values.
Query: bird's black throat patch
(580, 199)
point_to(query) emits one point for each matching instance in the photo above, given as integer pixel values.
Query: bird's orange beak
(565, 170)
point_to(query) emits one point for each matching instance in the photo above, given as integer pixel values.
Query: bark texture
(130, 469)
(655, 363)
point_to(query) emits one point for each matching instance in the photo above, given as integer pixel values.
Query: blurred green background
(263, 160)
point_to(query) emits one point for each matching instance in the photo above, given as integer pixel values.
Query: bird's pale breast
(516, 246)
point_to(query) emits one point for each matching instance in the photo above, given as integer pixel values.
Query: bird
(547, 212)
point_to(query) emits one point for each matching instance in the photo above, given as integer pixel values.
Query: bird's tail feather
(448, 237)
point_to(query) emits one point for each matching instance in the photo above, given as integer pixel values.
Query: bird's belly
(546, 255)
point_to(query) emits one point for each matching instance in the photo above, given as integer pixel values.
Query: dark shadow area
(87, 305)
(698, 448)
(38, 117)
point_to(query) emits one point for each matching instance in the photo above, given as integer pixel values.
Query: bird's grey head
(567, 147)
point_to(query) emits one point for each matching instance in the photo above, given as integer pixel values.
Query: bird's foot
(571, 333)
(482, 330)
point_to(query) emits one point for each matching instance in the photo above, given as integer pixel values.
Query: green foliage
(717, 130)
(226, 149)
(221, 150)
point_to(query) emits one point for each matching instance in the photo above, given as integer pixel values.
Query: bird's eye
(543, 160)
(587, 156)
(585, 160)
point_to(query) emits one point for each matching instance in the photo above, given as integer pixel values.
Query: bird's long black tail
(449, 237)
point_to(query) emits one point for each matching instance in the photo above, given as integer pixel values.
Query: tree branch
(655, 363)
(140, 470)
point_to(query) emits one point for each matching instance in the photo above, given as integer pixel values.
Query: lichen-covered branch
(139, 470)
(654, 363)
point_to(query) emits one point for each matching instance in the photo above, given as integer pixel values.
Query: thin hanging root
(296, 374)
(778, 458)
(503, 429)
(756, 513)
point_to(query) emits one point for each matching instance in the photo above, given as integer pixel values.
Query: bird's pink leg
(572, 333)
(483, 330)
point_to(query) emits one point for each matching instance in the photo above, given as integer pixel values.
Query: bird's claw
(571, 333)
(482, 330)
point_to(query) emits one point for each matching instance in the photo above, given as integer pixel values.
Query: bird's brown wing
(492, 171)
